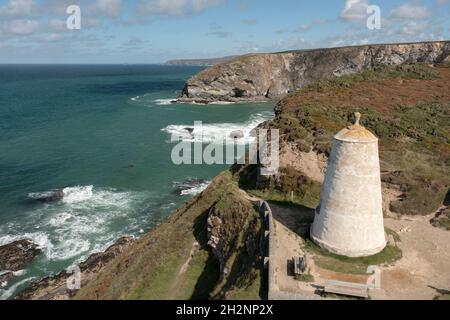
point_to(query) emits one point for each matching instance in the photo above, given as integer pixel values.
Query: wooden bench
(347, 289)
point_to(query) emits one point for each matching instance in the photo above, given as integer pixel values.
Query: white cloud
(202, 5)
(355, 9)
(163, 7)
(413, 28)
(53, 37)
(57, 25)
(18, 8)
(109, 8)
(22, 26)
(250, 21)
(220, 34)
(175, 7)
(410, 11)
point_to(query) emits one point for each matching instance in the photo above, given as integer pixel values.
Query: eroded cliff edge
(269, 76)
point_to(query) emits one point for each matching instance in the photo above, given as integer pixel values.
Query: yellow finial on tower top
(357, 118)
(356, 132)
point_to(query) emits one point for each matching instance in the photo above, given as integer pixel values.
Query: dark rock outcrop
(55, 287)
(5, 277)
(266, 76)
(17, 255)
(238, 134)
(49, 196)
(232, 223)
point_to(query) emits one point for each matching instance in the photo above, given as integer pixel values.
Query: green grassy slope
(173, 261)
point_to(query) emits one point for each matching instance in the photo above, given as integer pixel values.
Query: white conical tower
(349, 219)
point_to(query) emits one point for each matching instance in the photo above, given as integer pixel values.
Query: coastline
(412, 75)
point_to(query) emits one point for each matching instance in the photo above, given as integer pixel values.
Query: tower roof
(356, 133)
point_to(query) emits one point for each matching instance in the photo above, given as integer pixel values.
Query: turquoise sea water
(101, 134)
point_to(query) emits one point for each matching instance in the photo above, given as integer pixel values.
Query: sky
(154, 31)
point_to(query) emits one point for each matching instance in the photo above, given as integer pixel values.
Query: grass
(307, 277)
(251, 290)
(419, 71)
(291, 186)
(308, 199)
(442, 220)
(342, 264)
(414, 138)
(240, 235)
(151, 267)
(392, 233)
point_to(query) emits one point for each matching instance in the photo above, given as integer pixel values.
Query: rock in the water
(238, 134)
(189, 129)
(49, 196)
(5, 277)
(17, 255)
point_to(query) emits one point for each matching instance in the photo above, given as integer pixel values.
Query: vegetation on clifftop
(337, 263)
(442, 219)
(407, 107)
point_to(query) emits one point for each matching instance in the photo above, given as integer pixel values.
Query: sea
(99, 137)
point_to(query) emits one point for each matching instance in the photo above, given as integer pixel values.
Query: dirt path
(185, 266)
(424, 268)
(288, 244)
(422, 272)
(179, 281)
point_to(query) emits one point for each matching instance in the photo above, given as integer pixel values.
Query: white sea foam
(41, 195)
(67, 248)
(196, 189)
(219, 131)
(19, 273)
(85, 218)
(60, 219)
(135, 98)
(6, 294)
(164, 102)
(77, 194)
(39, 238)
(222, 102)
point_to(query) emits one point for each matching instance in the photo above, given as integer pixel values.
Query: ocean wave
(219, 131)
(8, 293)
(164, 102)
(222, 102)
(77, 194)
(196, 189)
(85, 218)
(190, 186)
(39, 238)
(60, 219)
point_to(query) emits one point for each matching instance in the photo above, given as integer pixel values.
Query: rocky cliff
(266, 76)
(199, 62)
(212, 247)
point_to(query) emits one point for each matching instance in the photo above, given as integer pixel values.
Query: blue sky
(153, 31)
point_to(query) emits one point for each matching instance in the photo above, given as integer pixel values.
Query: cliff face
(263, 76)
